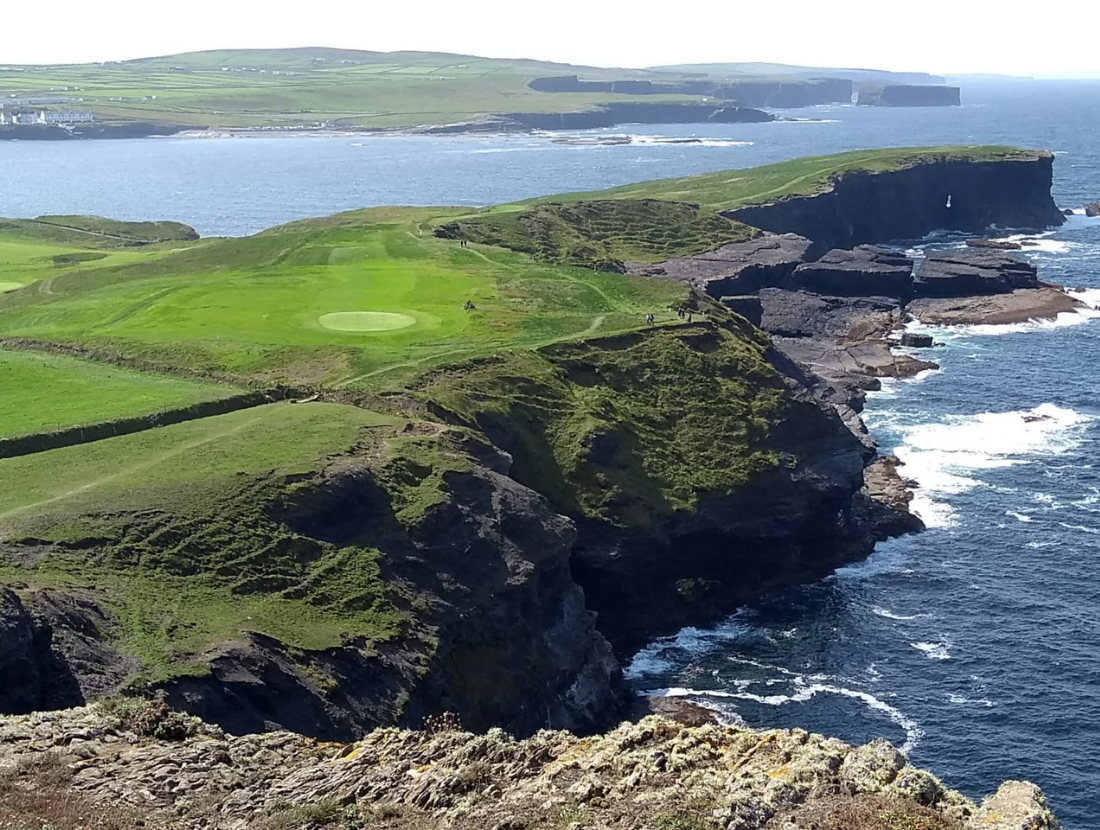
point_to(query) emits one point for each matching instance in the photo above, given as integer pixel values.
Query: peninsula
(363, 470)
(333, 89)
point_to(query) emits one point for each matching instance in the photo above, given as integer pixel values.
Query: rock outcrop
(863, 207)
(739, 268)
(865, 271)
(1092, 209)
(74, 767)
(973, 272)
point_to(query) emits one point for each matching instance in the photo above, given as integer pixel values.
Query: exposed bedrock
(735, 269)
(497, 630)
(973, 272)
(794, 525)
(863, 272)
(862, 207)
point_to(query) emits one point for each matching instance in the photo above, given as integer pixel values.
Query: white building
(62, 117)
(65, 117)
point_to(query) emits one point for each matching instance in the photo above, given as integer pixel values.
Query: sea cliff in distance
(333, 89)
(379, 469)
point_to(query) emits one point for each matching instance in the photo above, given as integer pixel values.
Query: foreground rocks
(652, 774)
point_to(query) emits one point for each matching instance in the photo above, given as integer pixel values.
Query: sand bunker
(9, 286)
(364, 320)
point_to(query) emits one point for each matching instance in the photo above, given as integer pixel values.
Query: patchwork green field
(44, 392)
(297, 87)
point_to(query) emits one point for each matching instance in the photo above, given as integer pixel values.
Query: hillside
(303, 88)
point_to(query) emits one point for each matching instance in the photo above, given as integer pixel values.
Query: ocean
(976, 644)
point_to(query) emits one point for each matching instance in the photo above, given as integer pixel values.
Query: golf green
(9, 286)
(365, 321)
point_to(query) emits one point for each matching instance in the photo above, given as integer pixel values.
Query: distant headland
(317, 89)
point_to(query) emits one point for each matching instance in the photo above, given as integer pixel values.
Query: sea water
(974, 645)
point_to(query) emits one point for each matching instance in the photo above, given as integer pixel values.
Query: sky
(939, 36)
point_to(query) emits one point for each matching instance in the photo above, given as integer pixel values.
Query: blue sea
(976, 644)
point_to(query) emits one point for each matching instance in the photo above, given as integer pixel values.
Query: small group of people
(683, 313)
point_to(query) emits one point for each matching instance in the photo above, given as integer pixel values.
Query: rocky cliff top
(98, 767)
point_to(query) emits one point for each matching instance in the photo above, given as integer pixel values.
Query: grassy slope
(368, 89)
(602, 233)
(177, 524)
(251, 307)
(43, 392)
(631, 429)
(185, 549)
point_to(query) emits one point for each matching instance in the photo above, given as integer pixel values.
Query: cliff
(487, 520)
(796, 92)
(865, 207)
(639, 112)
(140, 765)
(910, 95)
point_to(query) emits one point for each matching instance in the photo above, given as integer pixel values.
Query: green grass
(804, 176)
(303, 87)
(45, 392)
(605, 233)
(253, 307)
(631, 429)
(95, 231)
(175, 529)
(366, 89)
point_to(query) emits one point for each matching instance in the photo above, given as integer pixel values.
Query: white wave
(666, 653)
(1020, 517)
(934, 651)
(1041, 242)
(808, 121)
(1090, 530)
(803, 693)
(890, 615)
(945, 458)
(689, 141)
(1041, 545)
(962, 701)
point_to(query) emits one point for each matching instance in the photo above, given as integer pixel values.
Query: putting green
(9, 286)
(365, 321)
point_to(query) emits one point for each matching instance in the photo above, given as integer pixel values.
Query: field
(44, 392)
(305, 87)
(289, 305)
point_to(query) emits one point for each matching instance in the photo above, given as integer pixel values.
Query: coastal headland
(332, 90)
(364, 470)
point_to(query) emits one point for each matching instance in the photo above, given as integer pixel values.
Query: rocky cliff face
(496, 629)
(91, 768)
(864, 207)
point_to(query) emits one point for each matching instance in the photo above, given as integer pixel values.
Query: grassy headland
(306, 87)
(188, 533)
